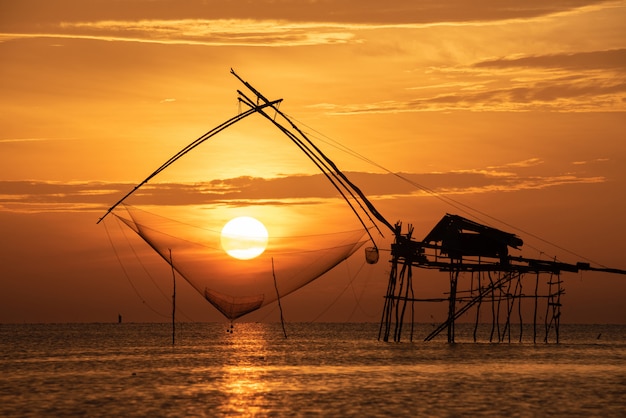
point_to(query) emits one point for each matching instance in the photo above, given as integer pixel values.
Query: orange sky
(516, 109)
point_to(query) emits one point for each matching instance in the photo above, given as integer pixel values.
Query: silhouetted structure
(463, 248)
(456, 245)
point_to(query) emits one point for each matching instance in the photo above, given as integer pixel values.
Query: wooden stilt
(519, 308)
(280, 308)
(493, 309)
(535, 311)
(173, 300)
(454, 276)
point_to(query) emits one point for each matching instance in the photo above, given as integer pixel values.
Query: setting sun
(244, 238)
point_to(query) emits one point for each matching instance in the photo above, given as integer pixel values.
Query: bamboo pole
(493, 307)
(535, 313)
(280, 308)
(173, 300)
(519, 308)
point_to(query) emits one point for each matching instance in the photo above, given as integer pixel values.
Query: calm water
(320, 370)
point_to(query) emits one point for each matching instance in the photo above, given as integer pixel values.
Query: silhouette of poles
(479, 287)
(493, 309)
(280, 307)
(454, 277)
(390, 301)
(519, 307)
(173, 300)
(536, 305)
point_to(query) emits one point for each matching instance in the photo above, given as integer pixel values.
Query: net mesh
(250, 170)
(236, 287)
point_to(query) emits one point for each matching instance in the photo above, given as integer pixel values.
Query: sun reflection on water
(320, 370)
(246, 391)
(243, 377)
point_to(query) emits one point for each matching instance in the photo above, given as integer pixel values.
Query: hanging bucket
(371, 255)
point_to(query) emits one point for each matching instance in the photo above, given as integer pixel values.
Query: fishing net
(271, 172)
(234, 286)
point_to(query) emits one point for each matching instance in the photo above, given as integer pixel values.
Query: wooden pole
(549, 299)
(478, 304)
(519, 307)
(280, 308)
(389, 300)
(557, 319)
(173, 301)
(454, 275)
(493, 307)
(535, 313)
(401, 300)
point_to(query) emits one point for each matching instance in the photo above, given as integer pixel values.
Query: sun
(244, 238)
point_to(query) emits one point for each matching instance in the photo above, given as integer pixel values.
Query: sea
(318, 369)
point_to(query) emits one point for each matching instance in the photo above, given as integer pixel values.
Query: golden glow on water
(244, 377)
(246, 388)
(319, 370)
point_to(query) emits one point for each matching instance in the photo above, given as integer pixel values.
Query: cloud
(576, 82)
(344, 11)
(581, 61)
(530, 162)
(260, 23)
(41, 139)
(267, 33)
(595, 160)
(292, 190)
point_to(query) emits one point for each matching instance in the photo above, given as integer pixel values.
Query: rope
(348, 285)
(128, 276)
(358, 298)
(462, 207)
(146, 271)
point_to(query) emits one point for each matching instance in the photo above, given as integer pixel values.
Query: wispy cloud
(530, 162)
(595, 160)
(292, 23)
(292, 190)
(340, 11)
(581, 61)
(267, 33)
(41, 139)
(577, 82)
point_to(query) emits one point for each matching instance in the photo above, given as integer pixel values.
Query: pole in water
(173, 301)
(282, 321)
